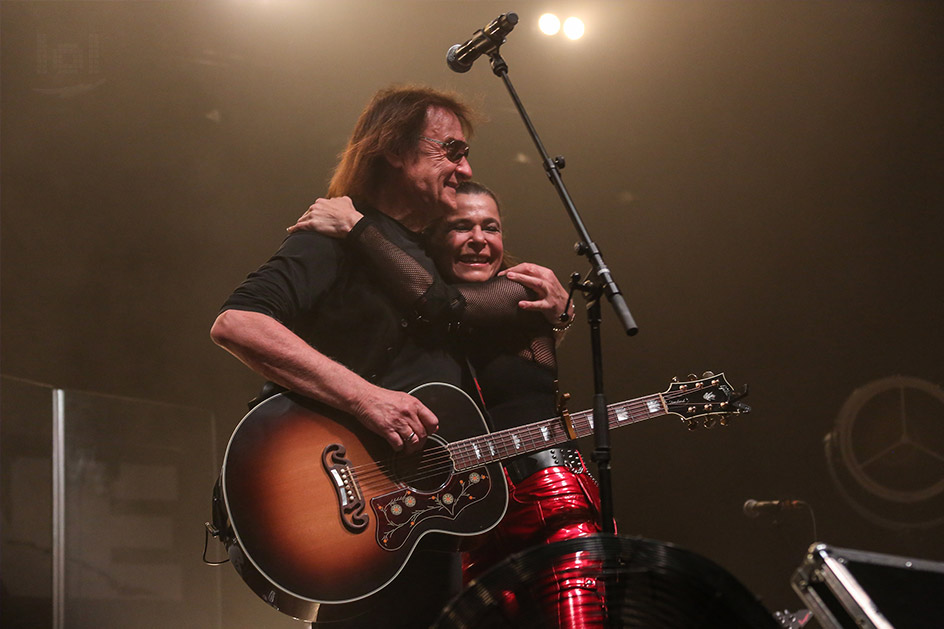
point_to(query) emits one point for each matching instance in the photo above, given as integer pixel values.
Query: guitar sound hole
(425, 471)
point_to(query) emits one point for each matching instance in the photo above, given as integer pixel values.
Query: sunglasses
(455, 149)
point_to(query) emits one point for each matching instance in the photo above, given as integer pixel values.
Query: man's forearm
(275, 352)
(272, 350)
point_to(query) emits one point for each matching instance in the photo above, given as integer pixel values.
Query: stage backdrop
(764, 180)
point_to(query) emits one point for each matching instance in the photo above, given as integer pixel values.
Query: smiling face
(428, 178)
(466, 244)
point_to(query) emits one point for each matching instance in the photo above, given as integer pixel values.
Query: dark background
(764, 179)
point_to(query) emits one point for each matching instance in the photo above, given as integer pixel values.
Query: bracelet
(566, 326)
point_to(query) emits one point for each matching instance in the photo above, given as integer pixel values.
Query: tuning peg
(724, 420)
(710, 422)
(707, 374)
(675, 379)
(562, 401)
(692, 376)
(691, 424)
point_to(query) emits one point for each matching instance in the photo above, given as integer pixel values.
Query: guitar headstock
(705, 401)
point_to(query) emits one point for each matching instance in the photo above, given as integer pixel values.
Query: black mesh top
(511, 350)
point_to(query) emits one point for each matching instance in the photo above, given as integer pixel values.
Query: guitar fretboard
(505, 444)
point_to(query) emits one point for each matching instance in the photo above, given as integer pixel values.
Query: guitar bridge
(350, 504)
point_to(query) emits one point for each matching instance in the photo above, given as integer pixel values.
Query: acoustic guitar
(319, 509)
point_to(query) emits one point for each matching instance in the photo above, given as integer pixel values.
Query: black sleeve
(291, 281)
(416, 284)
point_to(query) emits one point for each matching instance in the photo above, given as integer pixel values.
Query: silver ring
(412, 434)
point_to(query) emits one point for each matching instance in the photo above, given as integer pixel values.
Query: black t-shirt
(319, 290)
(317, 287)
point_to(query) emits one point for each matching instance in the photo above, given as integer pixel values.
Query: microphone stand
(599, 282)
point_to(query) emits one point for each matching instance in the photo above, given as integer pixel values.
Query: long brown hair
(391, 123)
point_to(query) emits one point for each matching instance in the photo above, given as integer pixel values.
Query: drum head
(633, 582)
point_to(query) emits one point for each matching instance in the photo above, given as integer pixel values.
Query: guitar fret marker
(622, 415)
(516, 441)
(654, 406)
(545, 433)
(478, 454)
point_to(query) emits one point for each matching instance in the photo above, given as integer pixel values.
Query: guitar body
(321, 510)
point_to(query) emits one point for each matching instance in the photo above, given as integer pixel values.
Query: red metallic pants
(551, 505)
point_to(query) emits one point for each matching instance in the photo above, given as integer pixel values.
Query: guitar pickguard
(399, 513)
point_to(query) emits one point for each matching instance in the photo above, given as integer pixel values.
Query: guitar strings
(439, 460)
(437, 464)
(463, 451)
(442, 460)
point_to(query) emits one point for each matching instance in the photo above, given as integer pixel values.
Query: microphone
(754, 508)
(460, 57)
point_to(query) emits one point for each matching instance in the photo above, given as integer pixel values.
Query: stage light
(573, 27)
(549, 24)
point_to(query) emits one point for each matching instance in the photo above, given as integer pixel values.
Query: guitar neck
(505, 444)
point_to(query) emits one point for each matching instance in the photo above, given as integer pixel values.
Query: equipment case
(853, 589)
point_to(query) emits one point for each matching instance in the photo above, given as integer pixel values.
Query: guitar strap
(481, 400)
(268, 390)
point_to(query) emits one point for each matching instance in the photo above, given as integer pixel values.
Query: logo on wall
(68, 49)
(886, 452)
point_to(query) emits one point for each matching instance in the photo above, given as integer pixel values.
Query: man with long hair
(313, 320)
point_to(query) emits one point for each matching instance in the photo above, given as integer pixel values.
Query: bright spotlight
(549, 24)
(573, 28)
